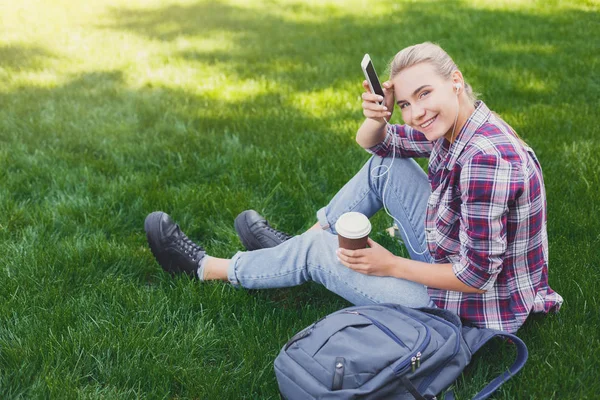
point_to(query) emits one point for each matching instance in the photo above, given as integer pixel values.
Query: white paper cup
(353, 230)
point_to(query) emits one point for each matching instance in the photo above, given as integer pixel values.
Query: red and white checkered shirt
(487, 217)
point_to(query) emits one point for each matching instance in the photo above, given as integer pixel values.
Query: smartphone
(371, 76)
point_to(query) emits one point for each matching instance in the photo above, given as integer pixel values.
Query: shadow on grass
(123, 151)
(497, 46)
(21, 57)
(96, 131)
(525, 63)
(83, 162)
(151, 142)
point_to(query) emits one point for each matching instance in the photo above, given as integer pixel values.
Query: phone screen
(372, 76)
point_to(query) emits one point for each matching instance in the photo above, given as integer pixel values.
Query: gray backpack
(384, 351)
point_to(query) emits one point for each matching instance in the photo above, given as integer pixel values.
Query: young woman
(475, 226)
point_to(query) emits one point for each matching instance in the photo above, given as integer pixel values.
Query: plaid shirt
(487, 217)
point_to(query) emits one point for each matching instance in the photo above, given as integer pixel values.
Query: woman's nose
(418, 112)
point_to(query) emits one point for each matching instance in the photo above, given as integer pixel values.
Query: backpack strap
(411, 388)
(476, 338)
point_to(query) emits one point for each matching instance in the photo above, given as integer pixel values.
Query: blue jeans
(312, 255)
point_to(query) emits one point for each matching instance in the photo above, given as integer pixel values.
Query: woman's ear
(457, 81)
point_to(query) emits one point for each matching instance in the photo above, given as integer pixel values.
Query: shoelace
(188, 246)
(280, 235)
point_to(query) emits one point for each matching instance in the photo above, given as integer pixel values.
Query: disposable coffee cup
(353, 230)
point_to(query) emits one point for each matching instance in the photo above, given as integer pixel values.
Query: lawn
(112, 109)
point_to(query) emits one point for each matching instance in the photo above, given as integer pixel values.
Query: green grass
(112, 109)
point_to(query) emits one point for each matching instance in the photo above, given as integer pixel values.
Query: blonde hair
(428, 53)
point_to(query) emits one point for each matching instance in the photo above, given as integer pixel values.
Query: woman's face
(428, 102)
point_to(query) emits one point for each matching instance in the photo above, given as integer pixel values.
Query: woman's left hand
(376, 260)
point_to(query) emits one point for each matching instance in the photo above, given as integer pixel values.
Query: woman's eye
(403, 105)
(424, 93)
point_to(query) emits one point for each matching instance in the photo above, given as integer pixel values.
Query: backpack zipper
(426, 382)
(415, 355)
(415, 361)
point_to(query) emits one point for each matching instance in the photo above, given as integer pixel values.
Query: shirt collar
(479, 117)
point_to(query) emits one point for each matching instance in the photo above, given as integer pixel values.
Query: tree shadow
(22, 57)
(509, 55)
(305, 54)
(301, 48)
(112, 147)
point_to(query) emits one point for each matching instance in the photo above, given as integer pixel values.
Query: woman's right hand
(371, 107)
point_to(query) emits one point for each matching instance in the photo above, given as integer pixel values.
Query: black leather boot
(255, 232)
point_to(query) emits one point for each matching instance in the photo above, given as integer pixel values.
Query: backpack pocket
(329, 327)
(365, 343)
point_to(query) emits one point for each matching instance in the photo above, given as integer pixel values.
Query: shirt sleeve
(404, 141)
(487, 185)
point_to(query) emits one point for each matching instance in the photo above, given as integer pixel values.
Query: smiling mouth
(428, 122)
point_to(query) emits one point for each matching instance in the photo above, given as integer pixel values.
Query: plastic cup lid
(353, 225)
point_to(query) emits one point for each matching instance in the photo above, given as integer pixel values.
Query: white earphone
(457, 86)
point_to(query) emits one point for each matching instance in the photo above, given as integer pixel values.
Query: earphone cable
(387, 171)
